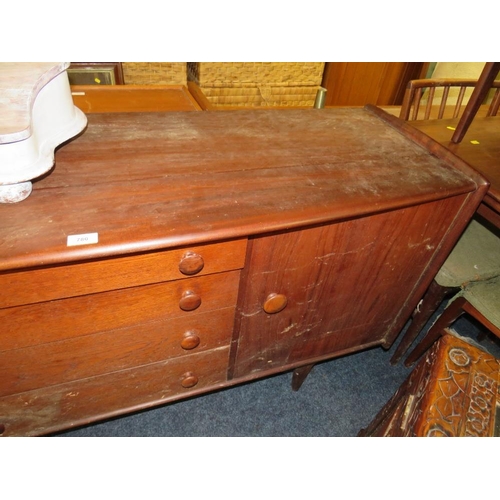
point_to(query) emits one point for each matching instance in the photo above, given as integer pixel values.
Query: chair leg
(482, 334)
(430, 302)
(449, 316)
(483, 85)
(299, 375)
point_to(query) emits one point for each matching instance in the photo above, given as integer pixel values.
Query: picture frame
(95, 73)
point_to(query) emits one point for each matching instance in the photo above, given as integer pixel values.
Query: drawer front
(84, 401)
(91, 355)
(38, 285)
(36, 324)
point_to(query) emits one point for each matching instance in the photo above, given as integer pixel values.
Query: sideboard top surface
(145, 181)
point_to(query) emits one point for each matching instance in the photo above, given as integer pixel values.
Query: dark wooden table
(480, 148)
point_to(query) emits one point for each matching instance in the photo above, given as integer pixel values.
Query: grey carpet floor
(338, 398)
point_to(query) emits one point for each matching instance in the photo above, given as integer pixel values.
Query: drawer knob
(189, 301)
(275, 303)
(191, 263)
(189, 379)
(190, 340)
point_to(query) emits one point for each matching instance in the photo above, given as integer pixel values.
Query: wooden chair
(485, 82)
(480, 299)
(433, 98)
(475, 258)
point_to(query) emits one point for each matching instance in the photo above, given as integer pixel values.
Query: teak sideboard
(171, 254)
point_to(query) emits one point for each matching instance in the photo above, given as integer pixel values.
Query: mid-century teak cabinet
(171, 254)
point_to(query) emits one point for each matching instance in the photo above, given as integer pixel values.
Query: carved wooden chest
(453, 391)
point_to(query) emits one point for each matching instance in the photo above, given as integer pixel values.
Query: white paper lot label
(82, 239)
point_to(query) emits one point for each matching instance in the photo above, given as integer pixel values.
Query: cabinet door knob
(190, 340)
(189, 301)
(191, 263)
(275, 303)
(189, 379)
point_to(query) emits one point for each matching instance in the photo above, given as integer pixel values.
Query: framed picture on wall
(92, 73)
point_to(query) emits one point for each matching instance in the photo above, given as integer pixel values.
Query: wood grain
(133, 98)
(45, 322)
(83, 401)
(153, 181)
(360, 83)
(108, 351)
(71, 280)
(480, 148)
(344, 214)
(341, 293)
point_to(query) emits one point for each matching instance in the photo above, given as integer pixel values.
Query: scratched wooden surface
(341, 265)
(343, 212)
(146, 181)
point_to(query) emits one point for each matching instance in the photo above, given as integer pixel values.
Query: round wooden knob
(190, 340)
(275, 303)
(189, 301)
(189, 379)
(191, 263)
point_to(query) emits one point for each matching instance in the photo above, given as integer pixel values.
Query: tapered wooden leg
(430, 302)
(299, 375)
(483, 85)
(449, 316)
(482, 334)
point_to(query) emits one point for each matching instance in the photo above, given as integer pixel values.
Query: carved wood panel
(451, 392)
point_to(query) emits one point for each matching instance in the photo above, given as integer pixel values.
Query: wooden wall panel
(360, 83)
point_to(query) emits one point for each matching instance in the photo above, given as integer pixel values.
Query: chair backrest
(439, 104)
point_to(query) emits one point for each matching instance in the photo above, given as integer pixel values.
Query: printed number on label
(82, 239)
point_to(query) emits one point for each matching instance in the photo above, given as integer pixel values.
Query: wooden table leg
(450, 314)
(299, 375)
(489, 214)
(430, 302)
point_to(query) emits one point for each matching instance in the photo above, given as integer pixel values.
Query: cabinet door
(344, 284)
(360, 83)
